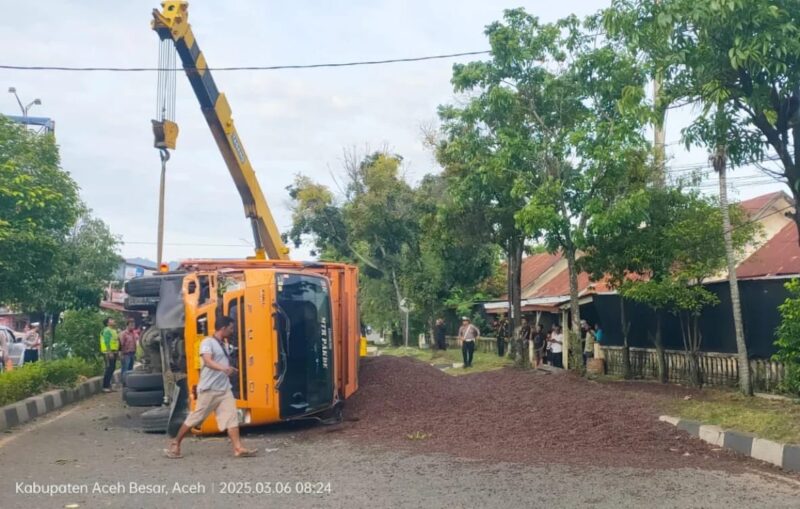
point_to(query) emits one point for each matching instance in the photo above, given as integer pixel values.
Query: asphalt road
(95, 450)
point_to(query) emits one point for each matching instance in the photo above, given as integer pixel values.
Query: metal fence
(483, 344)
(719, 369)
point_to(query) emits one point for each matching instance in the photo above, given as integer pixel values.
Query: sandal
(246, 453)
(172, 454)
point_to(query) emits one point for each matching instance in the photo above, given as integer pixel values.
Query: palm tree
(719, 160)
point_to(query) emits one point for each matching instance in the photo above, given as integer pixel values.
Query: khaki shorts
(222, 403)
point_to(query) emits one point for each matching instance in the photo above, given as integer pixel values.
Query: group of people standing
(548, 347)
(117, 345)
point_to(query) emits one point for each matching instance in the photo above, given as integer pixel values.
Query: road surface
(91, 455)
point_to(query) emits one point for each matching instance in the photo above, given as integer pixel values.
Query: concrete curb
(786, 456)
(42, 404)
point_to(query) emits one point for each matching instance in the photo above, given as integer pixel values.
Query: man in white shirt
(214, 393)
(467, 334)
(556, 343)
(32, 342)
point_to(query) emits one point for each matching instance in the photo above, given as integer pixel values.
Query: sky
(290, 121)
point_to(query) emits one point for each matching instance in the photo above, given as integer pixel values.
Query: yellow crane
(172, 25)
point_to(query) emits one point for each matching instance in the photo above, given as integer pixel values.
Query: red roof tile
(535, 265)
(753, 205)
(780, 255)
(559, 285)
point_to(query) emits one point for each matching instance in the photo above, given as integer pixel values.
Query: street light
(37, 101)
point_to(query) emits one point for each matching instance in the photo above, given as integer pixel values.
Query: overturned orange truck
(297, 329)
(295, 344)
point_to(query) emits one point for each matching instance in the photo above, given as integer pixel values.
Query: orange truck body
(250, 304)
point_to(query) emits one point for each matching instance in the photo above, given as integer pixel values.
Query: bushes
(32, 379)
(788, 342)
(80, 331)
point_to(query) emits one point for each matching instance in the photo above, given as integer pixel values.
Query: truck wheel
(146, 286)
(143, 398)
(144, 381)
(155, 420)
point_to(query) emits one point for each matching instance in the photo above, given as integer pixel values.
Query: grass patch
(480, 362)
(774, 420)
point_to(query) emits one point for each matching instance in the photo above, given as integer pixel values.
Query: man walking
(467, 334)
(127, 340)
(439, 334)
(109, 347)
(214, 392)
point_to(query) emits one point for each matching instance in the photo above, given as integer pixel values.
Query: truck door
(234, 308)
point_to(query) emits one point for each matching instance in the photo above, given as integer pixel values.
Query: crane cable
(165, 110)
(167, 80)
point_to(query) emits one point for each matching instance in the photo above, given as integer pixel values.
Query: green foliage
(788, 333)
(83, 266)
(738, 60)
(39, 203)
(659, 246)
(406, 245)
(80, 330)
(35, 378)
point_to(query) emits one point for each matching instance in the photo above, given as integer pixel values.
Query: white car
(16, 348)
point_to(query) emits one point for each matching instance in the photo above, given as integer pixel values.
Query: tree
(39, 204)
(665, 243)
(82, 269)
(788, 341)
(719, 131)
(546, 143)
(737, 56)
(484, 152)
(407, 246)
(740, 61)
(80, 330)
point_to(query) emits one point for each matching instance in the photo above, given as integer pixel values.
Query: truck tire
(147, 286)
(143, 398)
(155, 420)
(144, 381)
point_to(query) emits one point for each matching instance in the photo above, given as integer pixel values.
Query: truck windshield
(304, 328)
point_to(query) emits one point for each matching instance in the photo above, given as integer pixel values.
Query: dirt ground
(531, 417)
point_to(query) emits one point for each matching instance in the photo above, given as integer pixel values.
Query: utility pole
(659, 133)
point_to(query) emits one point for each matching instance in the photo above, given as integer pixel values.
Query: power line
(240, 68)
(147, 243)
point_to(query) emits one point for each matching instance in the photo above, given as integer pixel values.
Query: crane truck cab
(295, 345)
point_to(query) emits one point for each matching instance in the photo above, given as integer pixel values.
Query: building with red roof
(771, 259)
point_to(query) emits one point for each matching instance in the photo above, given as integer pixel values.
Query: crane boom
(172, 23)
